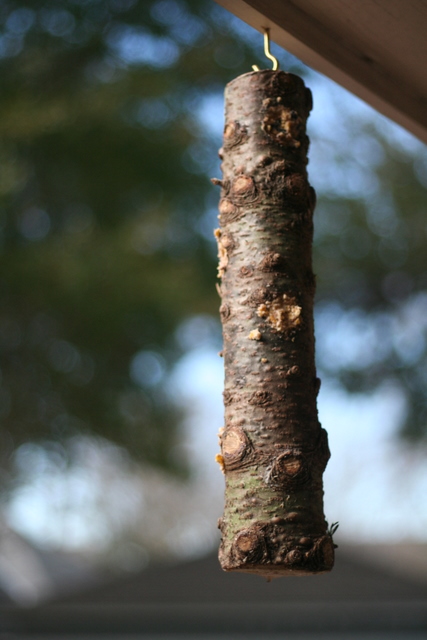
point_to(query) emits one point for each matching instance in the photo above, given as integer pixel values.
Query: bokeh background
(111, 114)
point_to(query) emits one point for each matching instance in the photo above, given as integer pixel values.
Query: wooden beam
(377, 50)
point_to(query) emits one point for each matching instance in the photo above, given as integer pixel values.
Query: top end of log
(275, 82)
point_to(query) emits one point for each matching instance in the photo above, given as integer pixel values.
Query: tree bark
(273, 449)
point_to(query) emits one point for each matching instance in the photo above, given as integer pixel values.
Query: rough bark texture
(273, 449)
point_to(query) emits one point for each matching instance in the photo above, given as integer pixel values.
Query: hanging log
(273, 449)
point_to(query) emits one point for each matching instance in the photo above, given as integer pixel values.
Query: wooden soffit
(377, 49)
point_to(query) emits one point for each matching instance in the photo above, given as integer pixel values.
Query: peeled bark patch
(273, 449)
(281, 314)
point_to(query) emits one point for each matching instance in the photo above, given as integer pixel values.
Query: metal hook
(267, 52)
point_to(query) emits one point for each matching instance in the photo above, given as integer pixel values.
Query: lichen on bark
(273, 449)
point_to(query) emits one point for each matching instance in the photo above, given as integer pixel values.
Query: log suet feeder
(273, 449)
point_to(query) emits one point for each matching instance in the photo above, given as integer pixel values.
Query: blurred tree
(372, 276)
(102, 193)
(106, 218)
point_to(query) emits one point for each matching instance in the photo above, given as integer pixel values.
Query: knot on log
(228, 212)
(296, 189)
(321, 556)
(294, 557)
(246, 271)
(322, 453)
(315, 555)
(272, 262)
(235, 447)
(224, 311)
(229, 397)
(243, 190)
(249, 546)
(289, 469)
(234, 134)
(260, 397)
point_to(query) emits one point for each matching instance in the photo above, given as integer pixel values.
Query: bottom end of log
(250, 555)
(269, 572)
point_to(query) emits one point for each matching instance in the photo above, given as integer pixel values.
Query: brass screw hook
(267, 52)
